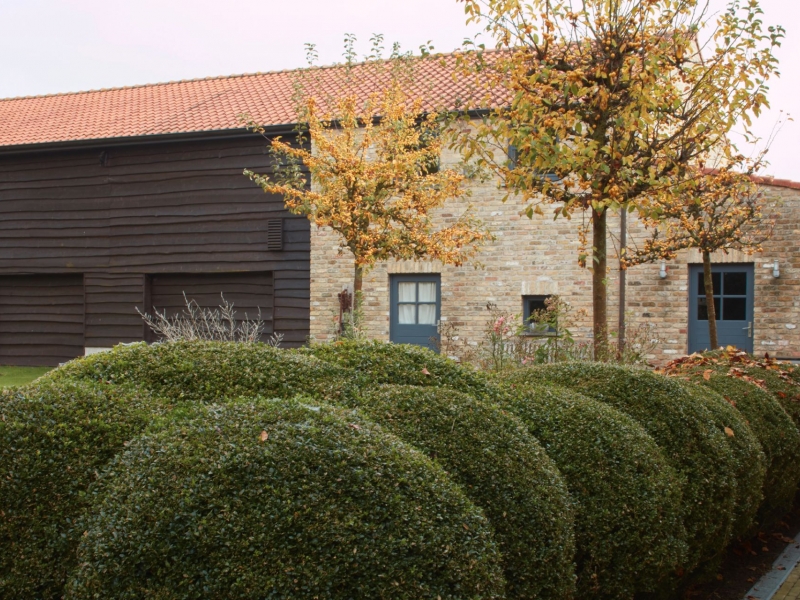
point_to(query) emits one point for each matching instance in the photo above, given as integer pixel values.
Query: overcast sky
(50, 46)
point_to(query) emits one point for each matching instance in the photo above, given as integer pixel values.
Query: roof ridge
(210, 78)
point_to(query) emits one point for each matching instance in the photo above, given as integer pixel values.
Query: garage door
(249, 292)
(41, 319)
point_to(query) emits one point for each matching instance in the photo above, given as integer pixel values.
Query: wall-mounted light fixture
(776, 272)
(663, 271)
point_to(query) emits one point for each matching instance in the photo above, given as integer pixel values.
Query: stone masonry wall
(539, 256)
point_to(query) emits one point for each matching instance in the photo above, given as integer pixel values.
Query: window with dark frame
(730, 296)
(531, 305)
(513, 156)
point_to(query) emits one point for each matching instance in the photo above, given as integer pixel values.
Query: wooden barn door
(250, 293)
(41, 319)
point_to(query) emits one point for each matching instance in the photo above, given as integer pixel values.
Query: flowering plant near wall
(508, 343)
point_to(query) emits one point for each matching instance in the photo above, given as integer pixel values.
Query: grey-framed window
(415, 308)
(512, 152)
(730, 296)
(530, 306)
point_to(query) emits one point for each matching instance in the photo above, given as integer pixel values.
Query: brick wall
(539, 256)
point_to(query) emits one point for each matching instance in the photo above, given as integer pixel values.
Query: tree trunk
(623, 244)
(708, 284)
(599, 290)
(358, 281)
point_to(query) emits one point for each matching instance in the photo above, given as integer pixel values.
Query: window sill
(540, 334)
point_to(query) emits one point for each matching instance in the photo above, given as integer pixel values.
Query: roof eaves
(150, 138)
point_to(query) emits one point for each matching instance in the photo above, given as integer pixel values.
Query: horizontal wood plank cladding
(250, 293)
(161, 208)
(41, 319)
(292, 299)
(111, 302)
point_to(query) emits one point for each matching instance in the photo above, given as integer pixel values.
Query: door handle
(749, 329)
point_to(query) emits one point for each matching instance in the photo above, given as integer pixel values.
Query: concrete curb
(766, 587)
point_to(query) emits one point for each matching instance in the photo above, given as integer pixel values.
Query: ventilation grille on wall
(275, 234)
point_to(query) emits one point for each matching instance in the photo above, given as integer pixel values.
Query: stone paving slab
(783, 581)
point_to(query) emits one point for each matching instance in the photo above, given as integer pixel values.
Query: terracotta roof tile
(211, 104)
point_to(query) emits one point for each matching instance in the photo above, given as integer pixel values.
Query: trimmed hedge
(212, 371)
(54, 438)
(281, 499)
(629, 533)
(782, 386)
(402, 364)
(502, 469)
(774, 429)
(723, 474)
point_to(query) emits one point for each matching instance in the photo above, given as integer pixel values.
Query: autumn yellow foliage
(374, 169)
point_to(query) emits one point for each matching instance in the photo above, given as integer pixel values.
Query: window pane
(407, 292)
(716, 279)
(427, 314)
(405, 314)
(734, 309)
(735, 284)
(427, 292)
(702, 308)
(535, 304)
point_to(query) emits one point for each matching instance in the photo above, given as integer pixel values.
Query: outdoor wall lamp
(663, 271)
(776, 272)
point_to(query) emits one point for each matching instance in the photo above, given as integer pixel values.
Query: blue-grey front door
(733, 302)
(415, 309)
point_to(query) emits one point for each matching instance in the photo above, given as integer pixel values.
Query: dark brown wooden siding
(41, 319)
(250, 293)
(120, 215)
(111, 302)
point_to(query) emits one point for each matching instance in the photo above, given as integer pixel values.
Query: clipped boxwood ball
(781, 385)
(54, 439)
(281, 499)
(774, 429)
(211, 371)
(402, 364)
(723, 474)
(502, 469)
(628, 524)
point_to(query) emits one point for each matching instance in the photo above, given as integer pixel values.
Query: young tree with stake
(611, 102)
(716, 211)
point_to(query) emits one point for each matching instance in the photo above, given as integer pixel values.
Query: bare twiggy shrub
(208, 324)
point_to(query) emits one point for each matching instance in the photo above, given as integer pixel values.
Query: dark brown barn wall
(121, 214)
(41, 319)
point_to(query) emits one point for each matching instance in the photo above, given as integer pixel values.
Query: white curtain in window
(427, 292)
(407, 291)
(405, 313)
(427, 313)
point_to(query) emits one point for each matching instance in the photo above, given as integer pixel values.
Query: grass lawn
(11, 376)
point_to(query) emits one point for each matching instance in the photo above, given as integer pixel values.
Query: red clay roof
(211, 104)
(783, 183)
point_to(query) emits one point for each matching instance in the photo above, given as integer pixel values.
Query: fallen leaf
(729, 432)
(264, 436)
(707, 374)
(425, 371)
(354, 426)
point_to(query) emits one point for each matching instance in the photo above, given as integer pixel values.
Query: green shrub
(628, 528)
(402, 364)
(281, 499)
(211, 371)
(723, 474)
(781, 385)
(502, 469)
(54, 438)
(774, 429)
(780, 379)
